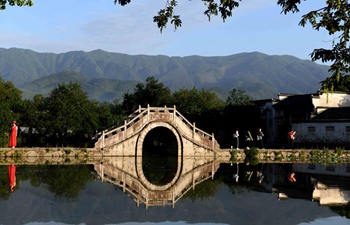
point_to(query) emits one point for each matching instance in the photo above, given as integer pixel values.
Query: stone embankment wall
(91, 155)
(290, 156)
(49, 155)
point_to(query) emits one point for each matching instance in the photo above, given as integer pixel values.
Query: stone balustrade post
(212, 140)
(194, 130)
(124, 131)
(103, 139)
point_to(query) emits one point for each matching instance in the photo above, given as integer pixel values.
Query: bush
(251, 156)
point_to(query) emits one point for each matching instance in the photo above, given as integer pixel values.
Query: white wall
(331, 100)
(321, 134)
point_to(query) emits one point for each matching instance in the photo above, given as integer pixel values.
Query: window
(330, 168)
(348, 169)
(311, 129)
(329, 128)
(311, 166)
(347, 129)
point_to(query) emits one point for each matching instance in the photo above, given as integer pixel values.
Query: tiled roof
(295, 101)
(341, 113)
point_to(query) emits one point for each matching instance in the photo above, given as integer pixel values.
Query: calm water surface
(94, 194)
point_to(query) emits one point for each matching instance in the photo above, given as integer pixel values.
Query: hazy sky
(70, 25)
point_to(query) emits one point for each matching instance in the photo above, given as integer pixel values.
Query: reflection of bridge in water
(128, 139)
(126, 173)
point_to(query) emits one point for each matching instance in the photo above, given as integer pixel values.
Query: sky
(72, 25)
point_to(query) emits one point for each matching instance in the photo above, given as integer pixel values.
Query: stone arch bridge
(127, 139)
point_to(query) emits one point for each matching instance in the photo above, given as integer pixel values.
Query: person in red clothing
(13, 135)
(291, 177)
(291, 137)
(12, 177)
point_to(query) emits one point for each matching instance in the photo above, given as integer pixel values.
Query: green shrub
(67, 151)
(251, 156)
(233, 158)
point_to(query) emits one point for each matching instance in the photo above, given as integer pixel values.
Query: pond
(190, 191)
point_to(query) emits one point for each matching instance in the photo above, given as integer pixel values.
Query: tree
(238, 98)
(70, 114)
(194, 102)
(33, 117)
(153, 94)
(334, 17)
(200, 106)
(15, 2)
(109, 114)
(10, 101)
(343, 84)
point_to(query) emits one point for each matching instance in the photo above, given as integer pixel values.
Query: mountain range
(106, 76)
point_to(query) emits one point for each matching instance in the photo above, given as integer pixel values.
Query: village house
(329, 128)
(319, 118)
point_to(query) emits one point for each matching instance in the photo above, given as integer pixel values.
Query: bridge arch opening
(157, 172)
(160, 141)
(160, 156)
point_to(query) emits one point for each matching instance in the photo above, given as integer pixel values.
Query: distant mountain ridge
(101, 89)
(105, 75)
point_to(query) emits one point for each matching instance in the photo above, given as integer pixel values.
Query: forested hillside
(106, 75)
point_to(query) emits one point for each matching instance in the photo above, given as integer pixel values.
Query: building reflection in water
(327, 185)
(330, 183)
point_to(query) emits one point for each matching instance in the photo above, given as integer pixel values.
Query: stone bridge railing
(143, 116)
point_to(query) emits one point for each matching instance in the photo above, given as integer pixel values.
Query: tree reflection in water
(64, 181)
(68, 181)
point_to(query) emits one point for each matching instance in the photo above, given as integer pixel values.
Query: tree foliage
(109, 114)
(195, 102)
(343, 84)
(3, 3)
(66, 117)
(70, 112)
(238, 97)
(34, 117)
(10, 101)
(152, 93)
(334, 17)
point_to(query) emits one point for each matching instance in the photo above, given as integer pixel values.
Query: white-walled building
(331, 126)
(317, 117)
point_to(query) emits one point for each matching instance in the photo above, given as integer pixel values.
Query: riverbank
(49, 155)
(88, 155)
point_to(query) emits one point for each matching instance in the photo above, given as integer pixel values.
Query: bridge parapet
(143, 116)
